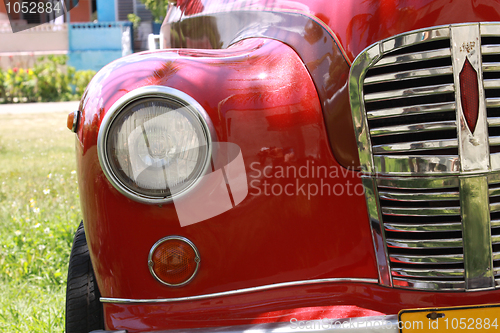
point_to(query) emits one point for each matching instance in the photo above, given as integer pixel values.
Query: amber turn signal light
(72, 121)
(174, 261)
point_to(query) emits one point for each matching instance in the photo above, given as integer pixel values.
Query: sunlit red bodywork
(272, 76)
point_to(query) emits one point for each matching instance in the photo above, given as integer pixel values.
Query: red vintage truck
(294, 165)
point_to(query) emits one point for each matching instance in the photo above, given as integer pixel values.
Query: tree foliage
(157, 7)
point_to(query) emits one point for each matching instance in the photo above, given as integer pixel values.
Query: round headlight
(154, 144)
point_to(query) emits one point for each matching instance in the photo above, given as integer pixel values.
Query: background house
(94, 33)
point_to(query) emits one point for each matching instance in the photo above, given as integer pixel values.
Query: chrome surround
(473, 150)
(394, 171)
(238, 291)
(190, 104)
(158, 243)
(378, 232)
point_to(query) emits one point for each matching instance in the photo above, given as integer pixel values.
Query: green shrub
(50, 80)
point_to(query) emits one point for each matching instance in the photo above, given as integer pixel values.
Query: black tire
(84, 311)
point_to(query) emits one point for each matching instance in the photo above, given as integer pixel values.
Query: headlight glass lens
(157, 147)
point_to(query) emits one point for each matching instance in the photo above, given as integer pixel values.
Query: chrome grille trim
(412, 74)
(411, 110)
(417, 273)
(419, 196)
(411, 92)
(438, 185)
(414, 146)
(457, 226)
(434, 259)
(409, 39)
(429, 284)
(492, 102)
(413, 57)
(419, 211)
(426, 243)
(416, 165)
(422, 127)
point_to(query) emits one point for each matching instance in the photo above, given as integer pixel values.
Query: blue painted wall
(106, 10)
(93, 45)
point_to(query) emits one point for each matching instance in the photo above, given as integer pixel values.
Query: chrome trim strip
(411, 110)
(416, 165)
(429, 285)
(494, 121)
(415, 37)
(494, 178)
(476, 232)
(421, 211)
(238, 291)
(495, 223)
(494, 192)
(419, 196)
(413, 74)
(415, 146)
(491, 83)
(494, 141)
(437, 272)
(425, 243)
(428, 259)
(490, 49)
(378, 231)
(419, 183)
(495, 207)
(473, 146)
(421, 127)
(413, 57)
(489, 29)
(190, 104)
(410, 92)
(492, 102)
(151, 263)
(495, 239)
(496, 256)
(491, 67)
(495, 161)
(454, 226)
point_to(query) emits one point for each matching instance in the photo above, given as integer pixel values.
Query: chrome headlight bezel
(144, 93)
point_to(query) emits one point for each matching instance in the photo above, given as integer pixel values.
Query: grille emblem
(469, 94)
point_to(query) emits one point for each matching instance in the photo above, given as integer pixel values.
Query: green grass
(39, 213)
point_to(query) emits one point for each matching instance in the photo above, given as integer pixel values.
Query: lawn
(39, 213)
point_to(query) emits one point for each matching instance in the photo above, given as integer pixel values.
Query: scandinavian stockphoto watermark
(227, 182)
(308, 179)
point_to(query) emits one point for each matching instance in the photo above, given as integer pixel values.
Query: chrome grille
(423, 232)
(409, 98)
(432, 171)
